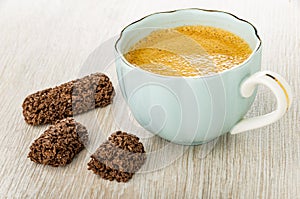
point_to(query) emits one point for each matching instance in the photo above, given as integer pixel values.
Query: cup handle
(282, 92)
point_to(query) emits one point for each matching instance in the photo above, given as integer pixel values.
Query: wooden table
(45, 43)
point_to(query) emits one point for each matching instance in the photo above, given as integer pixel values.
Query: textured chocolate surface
(118, 158)
(59, 144)
(68, 99)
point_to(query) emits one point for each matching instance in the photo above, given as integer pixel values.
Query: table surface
(45, 43)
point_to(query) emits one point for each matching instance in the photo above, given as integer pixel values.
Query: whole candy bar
(59, 144)
(118, 158)
(68, 99)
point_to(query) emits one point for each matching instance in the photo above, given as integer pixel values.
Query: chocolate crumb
(68, 99)
(59, 144)
(118, 158)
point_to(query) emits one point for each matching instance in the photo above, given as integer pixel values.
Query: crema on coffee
(189, 51)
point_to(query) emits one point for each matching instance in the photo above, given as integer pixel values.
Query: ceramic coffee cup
(195, 110)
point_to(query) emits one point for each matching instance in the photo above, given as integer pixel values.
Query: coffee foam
(188, 51)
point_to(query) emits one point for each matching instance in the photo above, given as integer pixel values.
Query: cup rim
(257, 48)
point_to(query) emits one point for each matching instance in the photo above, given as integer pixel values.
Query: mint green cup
(195, 110)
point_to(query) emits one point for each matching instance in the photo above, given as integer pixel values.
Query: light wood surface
(45, 43)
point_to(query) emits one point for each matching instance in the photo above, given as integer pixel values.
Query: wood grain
(44, 43)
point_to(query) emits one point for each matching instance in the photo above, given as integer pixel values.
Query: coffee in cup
(187, 106)
(189, 51)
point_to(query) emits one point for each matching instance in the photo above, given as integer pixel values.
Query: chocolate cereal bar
(59, 144)
(118, 158)
(68, 99)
